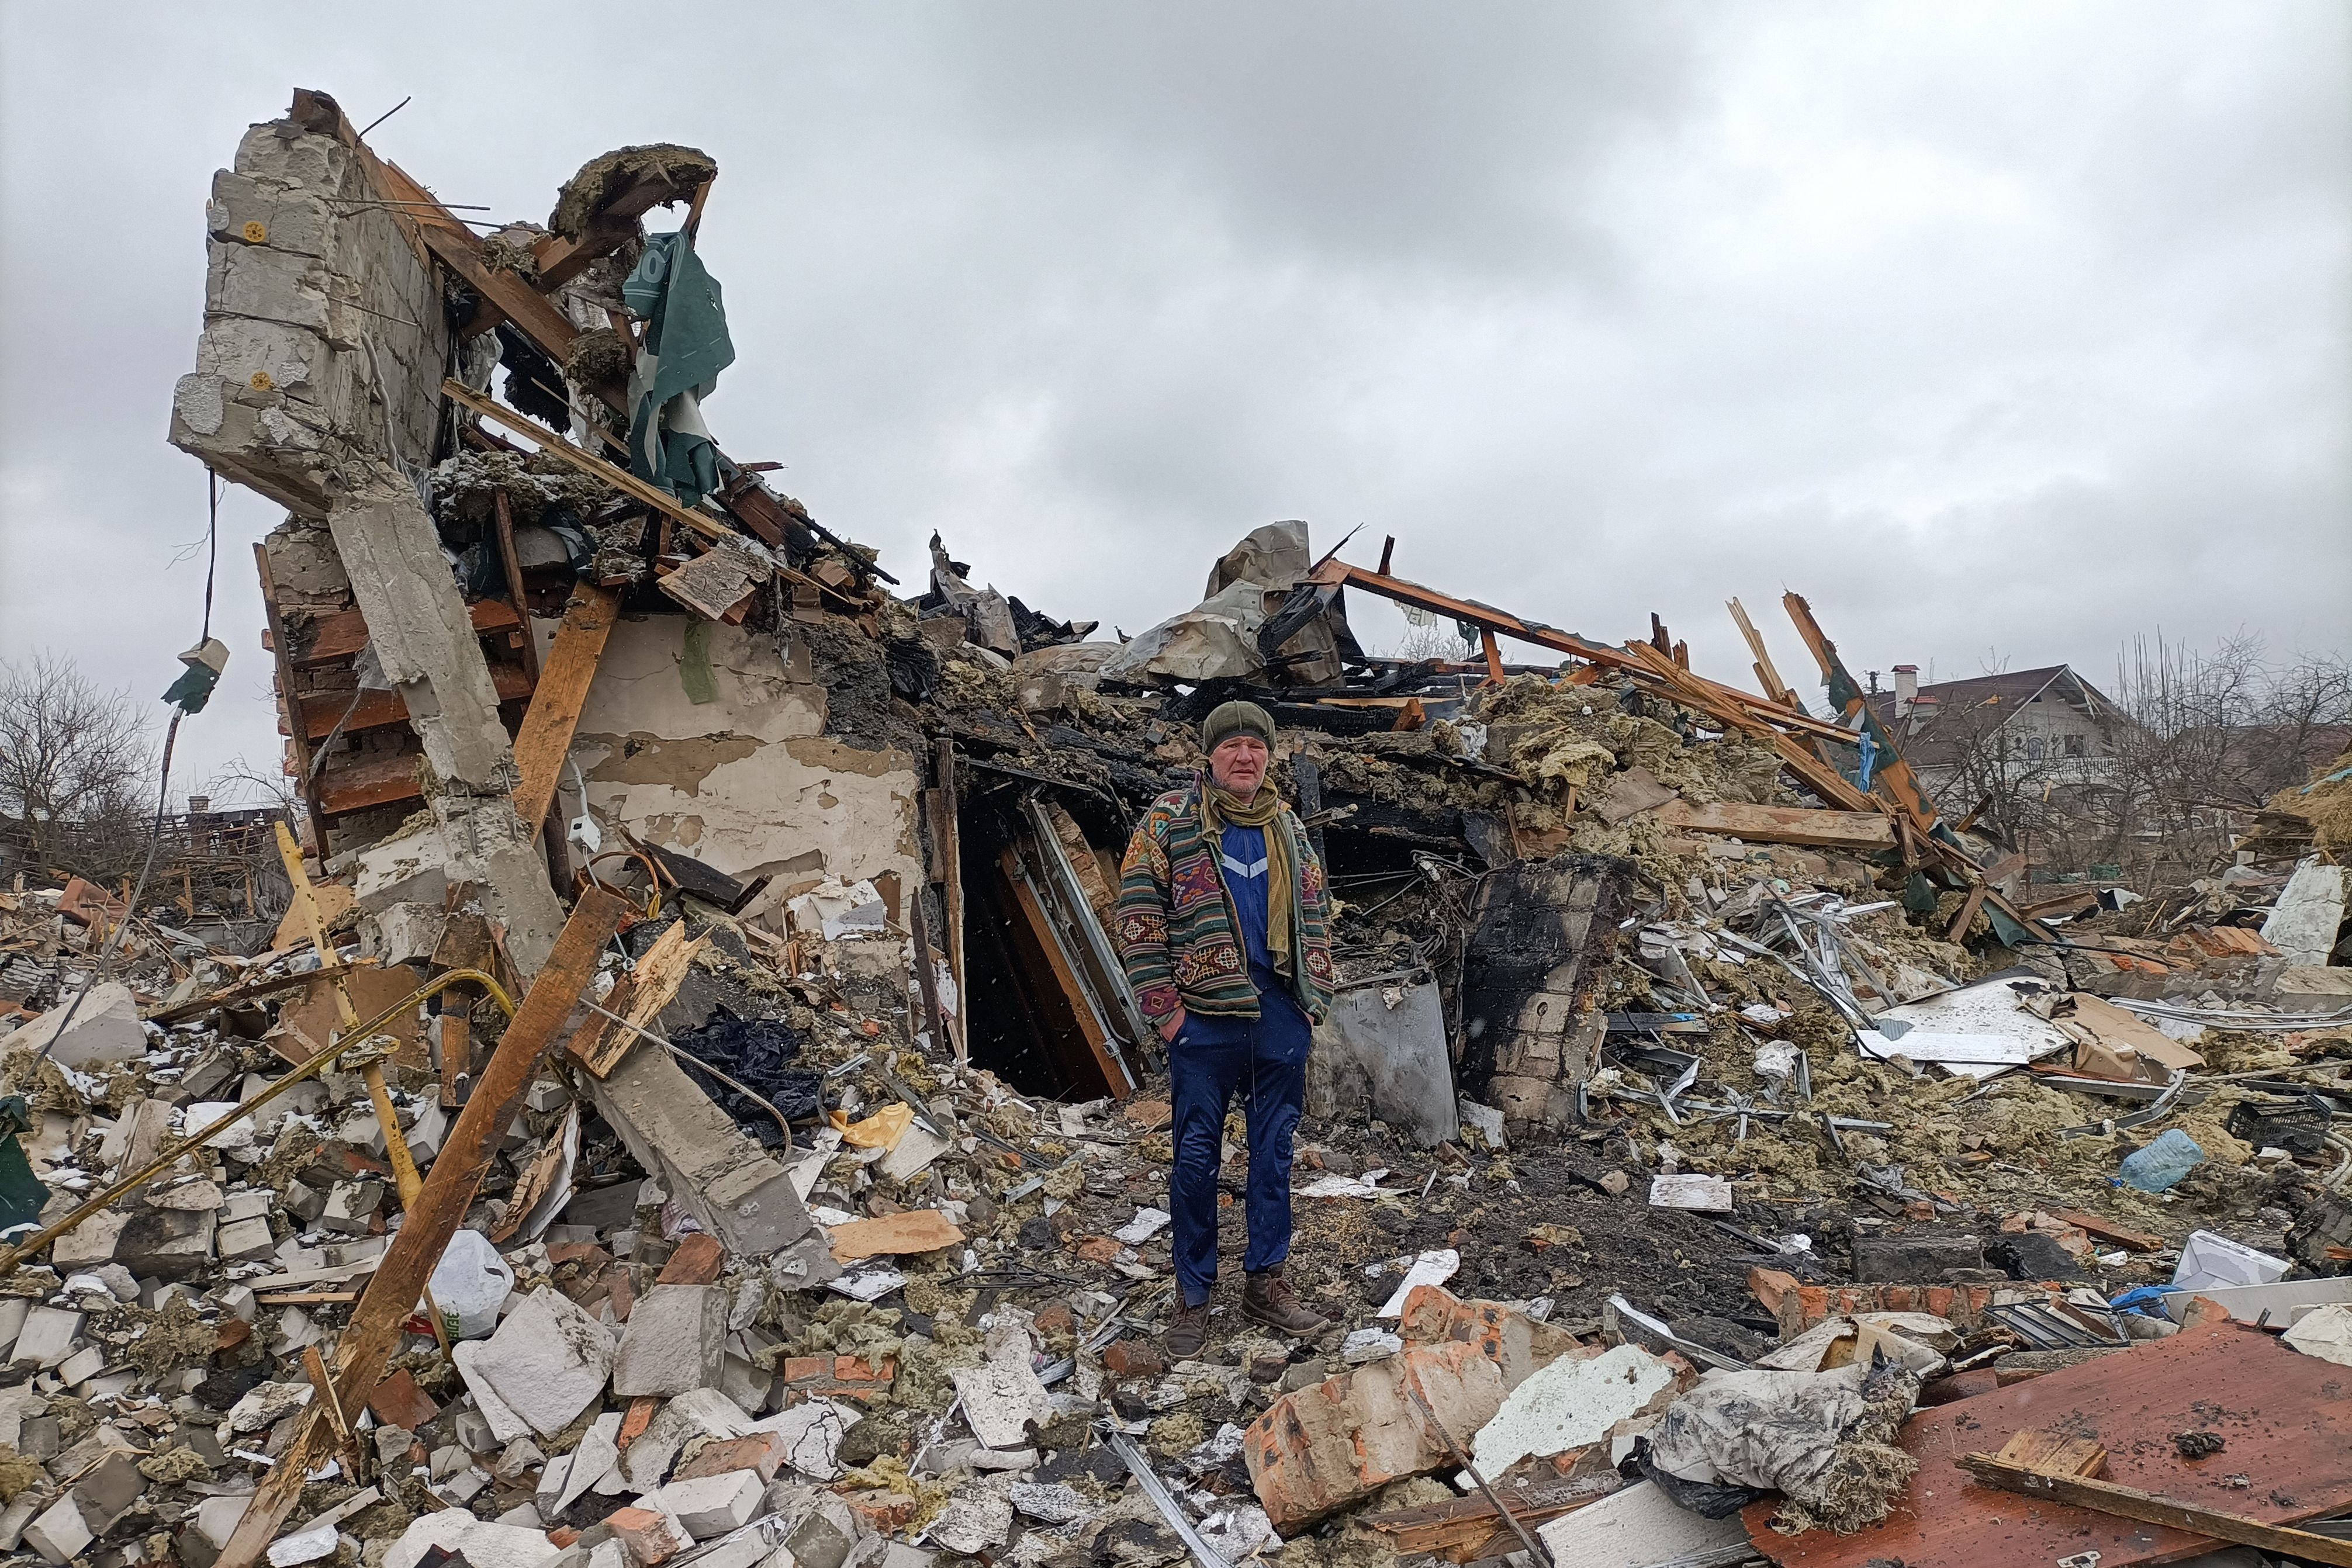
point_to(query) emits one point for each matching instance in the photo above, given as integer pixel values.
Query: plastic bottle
(2161, 1164)
(469, 1284)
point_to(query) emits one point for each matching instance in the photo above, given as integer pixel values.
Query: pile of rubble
(691, 1109)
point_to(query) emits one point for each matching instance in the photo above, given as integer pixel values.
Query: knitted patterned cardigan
(1179, 935)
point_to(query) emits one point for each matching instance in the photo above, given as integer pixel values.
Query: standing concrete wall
(324, 334)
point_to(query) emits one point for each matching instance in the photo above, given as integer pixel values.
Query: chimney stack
(1906, 689)
(198, 805)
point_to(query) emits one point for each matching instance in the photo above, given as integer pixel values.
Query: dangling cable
(164, 785)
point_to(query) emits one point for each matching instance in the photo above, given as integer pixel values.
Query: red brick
(2203, 1310)
(761, 1452)
(885, 1512)
(800, 1369)
(398, 1402)
(640, 1416)
(1504, 1336)
(697, 1261)
(1771, 1287)
(1055, 1317)
(648, 1537)
(1134, 1358)
(1322, 1448)
(587, 1252)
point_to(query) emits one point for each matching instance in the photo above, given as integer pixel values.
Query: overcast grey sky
(2001, 332)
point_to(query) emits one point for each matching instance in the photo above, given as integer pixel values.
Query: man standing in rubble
(1221, 926)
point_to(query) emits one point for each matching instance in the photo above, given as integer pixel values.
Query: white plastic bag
(469, 1284)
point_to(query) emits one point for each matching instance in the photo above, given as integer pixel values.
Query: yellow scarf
(1262, 810)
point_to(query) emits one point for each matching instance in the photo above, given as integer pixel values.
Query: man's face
(1238, 764)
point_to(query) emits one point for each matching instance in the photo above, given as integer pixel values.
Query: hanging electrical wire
(187, 694)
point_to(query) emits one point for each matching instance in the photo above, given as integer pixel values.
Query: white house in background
(2049, 723)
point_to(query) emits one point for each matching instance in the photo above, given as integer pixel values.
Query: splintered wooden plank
(545, 738)
(654, 986)
(1448, 1528)
(2106, 1229)
(2287, 1419)
(375, 1328)
(2052, 1454)
(1856, 832)
(325, 713)
(893, 1235)
(564, 452)
(715, 582)
(2130, 1503)
(379, 781)
(344, 633)
(1064, 975)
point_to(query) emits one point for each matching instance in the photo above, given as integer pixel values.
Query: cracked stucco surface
(748, 784)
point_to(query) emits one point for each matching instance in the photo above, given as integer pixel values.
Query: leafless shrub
(76, 768)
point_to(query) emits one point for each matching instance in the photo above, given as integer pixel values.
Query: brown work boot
(1267, 1298)
(1187, 1332)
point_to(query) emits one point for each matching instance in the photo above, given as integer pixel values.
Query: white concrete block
(245, 1241)
(59, 1535)
(675, 1340)
(712, 1505)
(46, 1338)
(103, 1029)
(547, 1361)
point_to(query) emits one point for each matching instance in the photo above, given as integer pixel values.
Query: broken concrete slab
(812, 1433)
(824, 1531)
(59, 1534)
(1001, 1400)
(676, 1339)
(735, 1191)
(592, 1461)
(90, 1244)
(1382, 1054)
(424, 638)
(1574, 1403)
(547, 1362)
(483, 1543)
(977, 1519)
(1323, 1447)
(697, 1413)
(46, 1338)
(94, 1028)
(1637, 1528)
(709, 1506)
(918, 1147)
(1706, 1194)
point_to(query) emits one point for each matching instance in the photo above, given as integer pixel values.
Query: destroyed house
(535, 629)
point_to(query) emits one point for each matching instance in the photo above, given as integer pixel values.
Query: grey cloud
(2001, 327)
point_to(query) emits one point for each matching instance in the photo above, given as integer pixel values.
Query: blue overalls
(1265, 1058)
